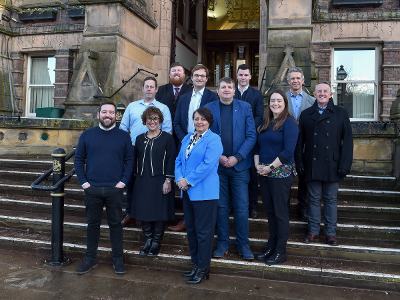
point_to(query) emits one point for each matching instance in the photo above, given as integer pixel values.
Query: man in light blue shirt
(132, 122)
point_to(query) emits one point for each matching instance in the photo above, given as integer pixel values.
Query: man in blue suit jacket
(190, 102)
(234, 123)
(254, 97)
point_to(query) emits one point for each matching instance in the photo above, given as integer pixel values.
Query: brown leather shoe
(331, 240)
(178, 227)
(311, 238)
(127, 221)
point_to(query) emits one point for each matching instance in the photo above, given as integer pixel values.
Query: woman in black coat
(153, 193)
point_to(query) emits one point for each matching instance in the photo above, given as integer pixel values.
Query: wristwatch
(271, 166)
(167, 180)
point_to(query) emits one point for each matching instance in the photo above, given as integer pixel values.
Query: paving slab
(23, 275)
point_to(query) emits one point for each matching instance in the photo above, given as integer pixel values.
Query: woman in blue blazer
(196, 175)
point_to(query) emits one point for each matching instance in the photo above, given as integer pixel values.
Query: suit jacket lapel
(204, 97)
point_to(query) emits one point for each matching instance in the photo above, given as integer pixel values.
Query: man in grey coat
(298, 102)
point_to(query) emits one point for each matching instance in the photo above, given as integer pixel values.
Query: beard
(105, 125)
(177, 81)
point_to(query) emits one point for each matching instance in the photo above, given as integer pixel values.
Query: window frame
(335, 82)
(28, 80)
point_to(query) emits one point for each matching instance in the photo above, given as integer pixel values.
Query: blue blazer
(255, 99)
(201, 168)
(244, 131)
(180, 122)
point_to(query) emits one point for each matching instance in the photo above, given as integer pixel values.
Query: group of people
(217, 149)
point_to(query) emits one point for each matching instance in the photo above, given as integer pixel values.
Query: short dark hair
(152, 110)
(205, 113)
(176, 64)
(227, 80)
(199, 67)
(244, 67)
(150, 78)
(108, 103)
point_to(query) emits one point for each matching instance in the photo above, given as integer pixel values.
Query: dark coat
(181, 115)
(166, 95)
(255, 99)
(325, 142)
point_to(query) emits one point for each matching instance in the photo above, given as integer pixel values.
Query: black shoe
(119, 266)
(265, 255)
(276, 259)
(155, 249)
(199, 276)
(253, 213)
(192, 272)
(87, 265)
(146, 247)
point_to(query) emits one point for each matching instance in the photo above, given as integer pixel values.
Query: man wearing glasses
(187, 105)
(132, 122)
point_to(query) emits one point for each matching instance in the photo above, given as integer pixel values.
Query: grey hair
(295, 69)
(324, 82)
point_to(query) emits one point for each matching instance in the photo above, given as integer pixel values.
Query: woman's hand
(166, 187)
(183, 184)
(265, 170)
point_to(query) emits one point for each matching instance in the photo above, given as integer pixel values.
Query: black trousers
(200, 218)
(253, 188)
(275, 196)
(302, 194)
(95, 198)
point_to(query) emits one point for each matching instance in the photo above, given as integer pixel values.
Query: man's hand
(86, 185)
(342, 173)
(223, 160)
(120, 185)
(231, 162)
(183, 184)
(166, 187)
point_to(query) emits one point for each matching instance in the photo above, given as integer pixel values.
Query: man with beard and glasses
(170, 93)
(132, 122)
(107, 153)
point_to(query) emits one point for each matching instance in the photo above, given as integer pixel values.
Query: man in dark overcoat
(324, 154)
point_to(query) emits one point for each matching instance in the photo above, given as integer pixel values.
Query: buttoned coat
(181, 115)
(325, 142)
(244, 130)
(306, 102)
(166, 95)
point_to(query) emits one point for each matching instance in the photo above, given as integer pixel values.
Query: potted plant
(33, 14)
(77, 11)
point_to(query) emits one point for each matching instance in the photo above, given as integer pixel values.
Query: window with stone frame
(355, 81)
(40, 83)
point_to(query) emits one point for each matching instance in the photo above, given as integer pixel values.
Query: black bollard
(57, 218)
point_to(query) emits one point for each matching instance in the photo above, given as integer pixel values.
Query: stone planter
(75, 13)
(38, 15)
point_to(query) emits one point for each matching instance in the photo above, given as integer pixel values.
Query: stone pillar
(289, 22)
(18, 62)
(64, 69)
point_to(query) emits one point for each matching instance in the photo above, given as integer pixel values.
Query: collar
(245, 89)
(291, 94)
(201, 92)
(106, 129)
(145, 103)
(177, 87)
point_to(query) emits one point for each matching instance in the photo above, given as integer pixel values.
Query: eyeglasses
(199, 76)
(156, 119)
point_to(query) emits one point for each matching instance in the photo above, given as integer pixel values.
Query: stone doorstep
(324, 276)
(391, 254)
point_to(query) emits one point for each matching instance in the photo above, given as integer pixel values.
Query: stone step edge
(183, 235)
(183, 261)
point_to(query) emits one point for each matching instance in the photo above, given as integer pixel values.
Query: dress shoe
(331, 240)
(265, 255)
(276, 259)
(192, 272)
(199, 276)
(128, 221)
(311, 238)
(253, 213)
(178, 227)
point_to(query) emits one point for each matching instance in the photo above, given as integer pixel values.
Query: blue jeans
(328, 190)
(235, 182)
(95, 198)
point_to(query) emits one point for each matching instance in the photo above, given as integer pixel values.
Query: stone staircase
(368, 232)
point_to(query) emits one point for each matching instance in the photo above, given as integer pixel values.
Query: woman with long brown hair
(274, 161)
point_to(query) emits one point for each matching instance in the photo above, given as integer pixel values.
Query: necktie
(176, 93)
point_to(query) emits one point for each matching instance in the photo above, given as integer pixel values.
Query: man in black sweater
(108, 154)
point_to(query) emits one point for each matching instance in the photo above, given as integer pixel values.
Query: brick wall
(17, 62)
(64, 70)
(390, 76)
(321, 55)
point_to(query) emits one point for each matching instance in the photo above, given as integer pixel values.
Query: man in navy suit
(189, 102)
(234, 123)
(298, 102)
(254, 97)
(187, 105)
